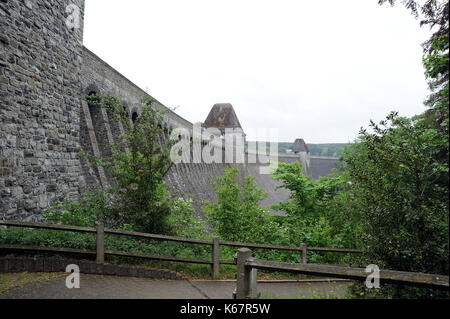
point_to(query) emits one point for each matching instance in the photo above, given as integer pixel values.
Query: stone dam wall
(45, 121)
(187, 180)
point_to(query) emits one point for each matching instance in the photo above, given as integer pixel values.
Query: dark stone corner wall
(40, 65)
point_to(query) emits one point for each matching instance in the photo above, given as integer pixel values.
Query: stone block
(141, 272)
(124, 271)
(132, 272)
(16, 265)
(38, 265)
(28, 264)
(110, 270)
(3, 265)
(48, 264)
(96, 269)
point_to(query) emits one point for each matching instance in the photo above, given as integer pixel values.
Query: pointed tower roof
(222, 116)
(300, 146)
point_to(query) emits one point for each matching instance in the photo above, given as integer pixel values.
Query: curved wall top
(96, 73)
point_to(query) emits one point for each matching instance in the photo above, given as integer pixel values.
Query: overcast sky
(313, 69)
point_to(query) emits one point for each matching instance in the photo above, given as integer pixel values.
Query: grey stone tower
(302, 151)
(222, 116)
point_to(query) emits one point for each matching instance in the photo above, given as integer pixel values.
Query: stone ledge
(33, 265)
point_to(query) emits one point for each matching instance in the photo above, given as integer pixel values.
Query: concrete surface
(110, 287)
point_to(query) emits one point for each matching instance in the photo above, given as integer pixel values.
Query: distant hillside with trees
(332, 150)
(329, 149)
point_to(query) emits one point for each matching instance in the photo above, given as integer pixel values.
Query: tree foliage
(140, 198)
(309, 216)
(397, 174)
(237, 215)
(317, 212)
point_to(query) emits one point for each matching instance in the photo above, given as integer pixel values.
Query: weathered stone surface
(35, 105)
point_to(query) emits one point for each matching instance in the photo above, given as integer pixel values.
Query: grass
(316, 295)
(9, 282)
(313, 294)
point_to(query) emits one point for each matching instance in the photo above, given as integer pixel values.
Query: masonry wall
(194, 181)
(187, 180)
(46, 122)
(40, 64)
(99, 76)
(98, 129)
(322, 166)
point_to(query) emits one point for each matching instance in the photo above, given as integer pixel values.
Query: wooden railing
(100, 251)
(247, 266)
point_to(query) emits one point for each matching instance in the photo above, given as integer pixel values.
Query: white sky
(318, 70)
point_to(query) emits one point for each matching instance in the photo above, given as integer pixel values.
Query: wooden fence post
(253, 293)
(302, 258)
(303, 253)
(243, 274)
(216, 258)
(100, 243)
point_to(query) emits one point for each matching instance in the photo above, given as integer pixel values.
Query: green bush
(184, 222)
(90, 208)
(318, 214)
(237, 215)
(398, 174)
(140, 198)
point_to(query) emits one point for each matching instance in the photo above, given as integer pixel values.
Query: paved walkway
(108, 287)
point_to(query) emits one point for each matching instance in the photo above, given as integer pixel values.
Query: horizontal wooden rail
(387, 276)
(106, 231)
(261, 246)
(75, 229)
(246, 277)
(336, 250)
(169, 238)
(111, 253)
(214, 244)
(108, 252)
(157, 237)
(48, 249)
(288, 248)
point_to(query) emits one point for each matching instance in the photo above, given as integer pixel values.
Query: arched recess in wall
(90, 117)
(134, 114)
(91, 90)
(99, 122)
(94, 110)
(116, 126)
(126, 109)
